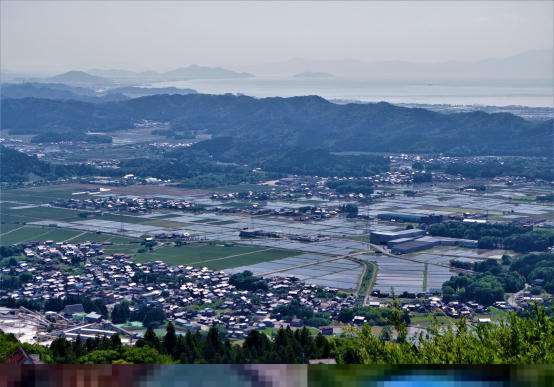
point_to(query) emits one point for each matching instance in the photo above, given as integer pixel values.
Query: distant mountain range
(529, 65)
(534, 64)
(58, 91)
(243, 127)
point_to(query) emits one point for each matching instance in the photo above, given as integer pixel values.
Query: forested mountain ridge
(305, 122)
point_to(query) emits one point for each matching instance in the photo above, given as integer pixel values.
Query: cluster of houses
(426, 304)
(193, 298)
(140, 205)
(305, 213)
(135, 205)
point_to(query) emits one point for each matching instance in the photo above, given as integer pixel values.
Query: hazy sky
(56, 36)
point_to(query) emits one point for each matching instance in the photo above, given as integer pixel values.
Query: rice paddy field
(326, 271)
(26, 215)
(213, 256)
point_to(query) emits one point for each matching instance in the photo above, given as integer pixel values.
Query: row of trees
(192, 348)
(490, 236)
(355, 186)
(536, 168)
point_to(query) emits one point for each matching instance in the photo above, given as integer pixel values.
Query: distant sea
(488, 93)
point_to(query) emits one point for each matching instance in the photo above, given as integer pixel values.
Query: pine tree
(151, 339)
(170, 339)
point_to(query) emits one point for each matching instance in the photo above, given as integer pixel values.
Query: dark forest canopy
(18, 167)
(305, 122)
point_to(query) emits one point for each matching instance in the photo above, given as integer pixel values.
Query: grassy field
(12, 215)
(213, 256)
(427, 320)
(13, 228)
(38, 195)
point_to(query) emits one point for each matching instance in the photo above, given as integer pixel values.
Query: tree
(62, 350)
(115, 341)
(151, 339)
(351, 210)
(153, 317)
(247, 281)
(170, 339)
(121, 313)
(213, 346)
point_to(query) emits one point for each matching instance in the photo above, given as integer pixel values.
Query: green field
(10, 215)
(24, 233)
(37, 195)
(213, 256)
(13, 228)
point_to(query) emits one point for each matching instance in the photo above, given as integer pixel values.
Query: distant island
(109, 78)
(314, 75)
(203, 72)
(179, 74)
(79, 78)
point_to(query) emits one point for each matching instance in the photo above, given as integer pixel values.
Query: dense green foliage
(247, 281)
(350, 209)
(57, 304)
(286, 347)
(535, 267)
(535, 168)
(373, 316)
(482, 288)
(17, 167)
(121, 313)
(494, 278)
(516, 340)
(296, 310)
(149, 316)
(355, 186)
(490, 236)
(297, 122)
(9, 251)
(9, 344)
(321, 162)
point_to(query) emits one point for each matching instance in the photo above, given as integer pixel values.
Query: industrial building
(382, 237)
(446, 241)
(411, 245)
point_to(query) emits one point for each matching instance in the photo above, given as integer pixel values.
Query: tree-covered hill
(305, 122)
(17, 166)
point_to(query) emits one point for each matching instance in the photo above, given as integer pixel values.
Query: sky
(48, 36)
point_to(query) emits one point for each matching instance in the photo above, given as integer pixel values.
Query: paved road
(512, 298)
